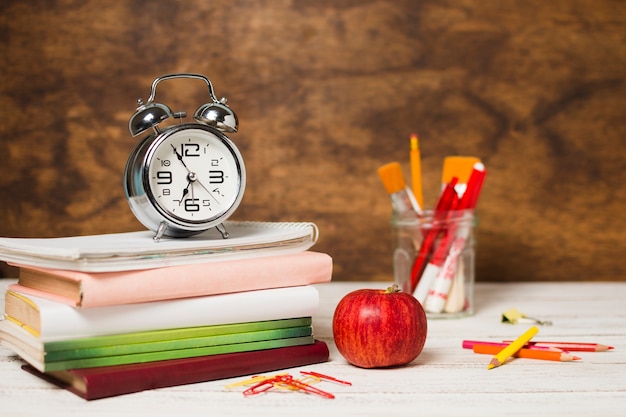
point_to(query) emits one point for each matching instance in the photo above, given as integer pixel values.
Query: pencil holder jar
(433, 259)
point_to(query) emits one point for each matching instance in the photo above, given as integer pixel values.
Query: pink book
(91, 289)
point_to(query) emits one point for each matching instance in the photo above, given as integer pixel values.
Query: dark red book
(110, 381)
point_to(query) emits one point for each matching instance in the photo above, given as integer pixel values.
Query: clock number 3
(216, 177)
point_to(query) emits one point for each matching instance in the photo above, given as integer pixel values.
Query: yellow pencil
(416, 171)
(510, 350)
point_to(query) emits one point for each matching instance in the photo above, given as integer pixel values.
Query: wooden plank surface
(326, 92)
(444, 380)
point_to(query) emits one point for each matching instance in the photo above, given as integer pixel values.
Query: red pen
(447, 200)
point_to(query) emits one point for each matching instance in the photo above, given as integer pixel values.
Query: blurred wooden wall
(327, 91)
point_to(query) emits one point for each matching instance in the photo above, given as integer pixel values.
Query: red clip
(260, 387)
(306, 387)
(289, 381)
(322, 376)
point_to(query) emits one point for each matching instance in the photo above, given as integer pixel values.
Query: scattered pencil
(574, 346)
(469, 344)
(528, 353)
(510, 350)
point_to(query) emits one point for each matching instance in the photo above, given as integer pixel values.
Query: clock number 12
(189, 149)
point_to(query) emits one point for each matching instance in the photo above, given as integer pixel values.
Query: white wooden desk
(445, 380)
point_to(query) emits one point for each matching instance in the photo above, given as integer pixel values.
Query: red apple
(379, 328)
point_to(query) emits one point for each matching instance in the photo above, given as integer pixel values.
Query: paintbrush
(402, 198)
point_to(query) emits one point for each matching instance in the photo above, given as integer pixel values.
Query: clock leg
(160, 231)
(220, 228)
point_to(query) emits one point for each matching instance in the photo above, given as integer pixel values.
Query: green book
(150, 346)
(177, 344)
(176, 354)
(172, 334)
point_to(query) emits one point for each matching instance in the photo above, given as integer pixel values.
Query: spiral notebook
(138, 250)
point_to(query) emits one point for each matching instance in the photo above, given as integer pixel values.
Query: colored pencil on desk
(573, 346)
(527, 353)
(469, 344)
(509, 350)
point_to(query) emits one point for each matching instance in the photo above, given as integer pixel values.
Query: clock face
(194, 175)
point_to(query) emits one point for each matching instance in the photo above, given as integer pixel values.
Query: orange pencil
(528, 353)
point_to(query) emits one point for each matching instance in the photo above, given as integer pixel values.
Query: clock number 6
(191, 204)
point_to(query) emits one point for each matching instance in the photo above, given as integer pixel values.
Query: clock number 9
(164, 177)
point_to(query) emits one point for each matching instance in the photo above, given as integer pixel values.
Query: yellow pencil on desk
(510, 350)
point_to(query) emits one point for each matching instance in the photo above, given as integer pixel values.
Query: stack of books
(113, 314)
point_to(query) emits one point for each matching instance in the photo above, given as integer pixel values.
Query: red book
(110, 381)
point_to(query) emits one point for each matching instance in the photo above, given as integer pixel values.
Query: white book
(52, 321)
(138, 250)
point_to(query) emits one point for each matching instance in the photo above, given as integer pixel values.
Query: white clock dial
(194, 175)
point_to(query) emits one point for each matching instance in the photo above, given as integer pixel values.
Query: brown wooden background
(327, 91)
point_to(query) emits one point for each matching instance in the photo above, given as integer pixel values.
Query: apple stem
(393, 289)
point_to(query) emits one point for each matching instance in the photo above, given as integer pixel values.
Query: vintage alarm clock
(185, 178)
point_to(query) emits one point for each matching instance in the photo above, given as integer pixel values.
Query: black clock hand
(192, 177)
(185, 191)
(180, 158)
